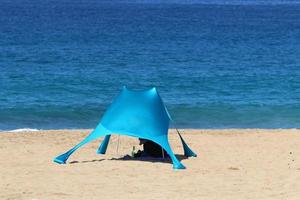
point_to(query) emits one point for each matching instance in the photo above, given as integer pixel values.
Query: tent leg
(176, 163)
(61, 159)
(102, 148)
(187, 150)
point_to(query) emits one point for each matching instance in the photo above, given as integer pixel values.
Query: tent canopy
(140, 114)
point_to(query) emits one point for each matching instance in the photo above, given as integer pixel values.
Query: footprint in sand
(233, 168)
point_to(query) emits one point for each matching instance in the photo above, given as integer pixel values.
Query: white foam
(23, 130)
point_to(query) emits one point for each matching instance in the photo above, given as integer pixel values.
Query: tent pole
(118, 145)
(163, 153)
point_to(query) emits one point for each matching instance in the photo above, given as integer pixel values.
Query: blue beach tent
(140, 114)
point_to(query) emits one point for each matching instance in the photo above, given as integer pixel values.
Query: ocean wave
(22, 130)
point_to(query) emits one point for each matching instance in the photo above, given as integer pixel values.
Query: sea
(216, 64)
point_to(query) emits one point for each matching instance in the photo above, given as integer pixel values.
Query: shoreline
(170, 129)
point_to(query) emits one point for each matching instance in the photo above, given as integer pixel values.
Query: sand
(231, 164)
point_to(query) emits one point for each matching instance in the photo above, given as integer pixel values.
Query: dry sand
(231, 164)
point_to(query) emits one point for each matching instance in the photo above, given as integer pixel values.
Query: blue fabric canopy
(140, 114)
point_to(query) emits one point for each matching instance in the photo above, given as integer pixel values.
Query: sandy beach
(231, 164)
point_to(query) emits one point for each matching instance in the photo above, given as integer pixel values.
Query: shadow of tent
(86, 161)
(151, 159)
(128, 158)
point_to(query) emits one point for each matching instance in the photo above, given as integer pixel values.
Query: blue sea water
(217, 64)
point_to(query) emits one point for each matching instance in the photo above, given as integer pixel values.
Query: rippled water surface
(216, 64)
